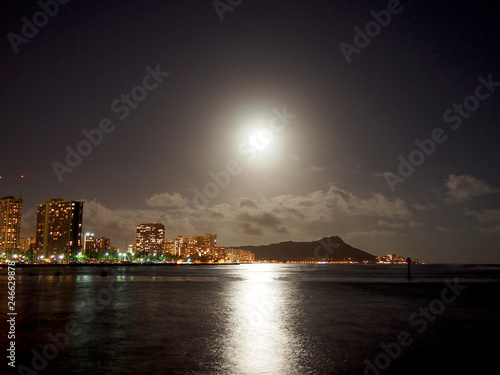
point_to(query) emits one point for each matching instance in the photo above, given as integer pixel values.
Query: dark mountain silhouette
(328, 248)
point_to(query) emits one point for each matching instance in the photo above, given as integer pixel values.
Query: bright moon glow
(258, 141)
(261, 138)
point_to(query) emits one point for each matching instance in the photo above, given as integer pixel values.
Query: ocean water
(255, 319)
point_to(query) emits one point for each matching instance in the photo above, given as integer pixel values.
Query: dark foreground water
(255, 319)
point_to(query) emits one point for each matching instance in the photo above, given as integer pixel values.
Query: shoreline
(71, 265)
(35, 265)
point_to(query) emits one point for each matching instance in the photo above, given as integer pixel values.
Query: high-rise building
(88, 243)
(59, 229)
(26, 244)
(209, 240)
(132, 248)
(239, 255)
(187, 246)
(149, 238)
(95, 248)
(10, 223)
(103, 246)
(180, 245)
(169, 247)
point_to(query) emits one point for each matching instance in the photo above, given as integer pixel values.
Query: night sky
(303, 120)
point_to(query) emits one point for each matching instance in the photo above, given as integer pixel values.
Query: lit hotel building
(10, 223)
(186, 246)
(149, 238)
(95, 248)
(59, 229)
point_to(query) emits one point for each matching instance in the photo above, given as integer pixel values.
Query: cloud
(259, 223)
(411, 224)
(120, 224)
(376, 205)
(316, 168)
(166, 200)
(494, 230)
(277, 218)
(444, 230)
(247, 202)
(28, 222)
(463, 188)
(251, 229)
(383, 223)
(424, 207)
(414, 224)
(484, 216)
(382, 233)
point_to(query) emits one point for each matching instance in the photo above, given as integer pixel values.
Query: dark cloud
(247, 202)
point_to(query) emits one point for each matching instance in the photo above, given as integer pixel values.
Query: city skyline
(365, 120)
(60, 237)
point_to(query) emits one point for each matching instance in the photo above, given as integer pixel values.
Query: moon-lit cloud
(281, 215)
(166, 200)
(463, 188)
